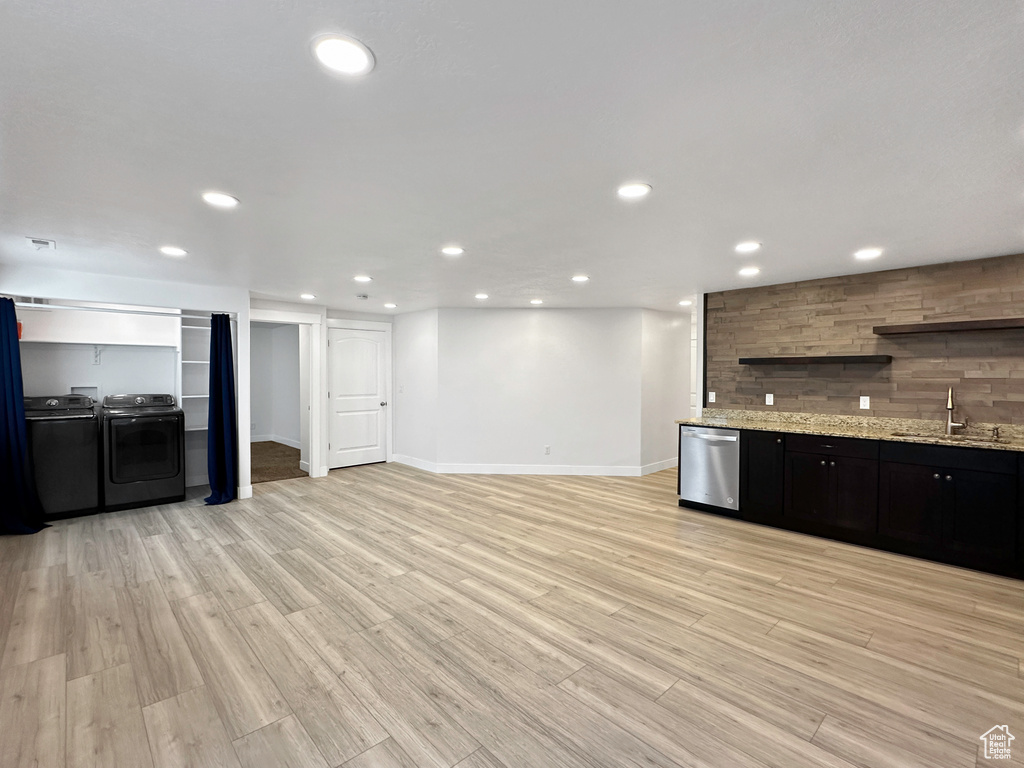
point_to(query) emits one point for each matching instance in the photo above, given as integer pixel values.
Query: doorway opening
(275, 402)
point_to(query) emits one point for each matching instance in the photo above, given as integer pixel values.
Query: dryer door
(144, 448)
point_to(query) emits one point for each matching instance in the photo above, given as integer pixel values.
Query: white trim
(520, 469)
(323, 472)
(284, 316)
(428, 466)
(358, 325)
(245, 492)
(304, 466)
(658, 466)
(276, 439)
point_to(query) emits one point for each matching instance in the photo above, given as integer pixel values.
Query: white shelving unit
(195, 394)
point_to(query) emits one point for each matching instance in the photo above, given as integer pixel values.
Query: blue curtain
(222, 440)
(20, 511)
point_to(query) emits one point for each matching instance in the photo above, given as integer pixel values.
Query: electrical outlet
(769, 399)
(865, 402)
(547, 450)
(711, 397)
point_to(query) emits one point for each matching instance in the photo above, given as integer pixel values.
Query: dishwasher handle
(712, 438)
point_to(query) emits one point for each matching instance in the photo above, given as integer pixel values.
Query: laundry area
(116, 404)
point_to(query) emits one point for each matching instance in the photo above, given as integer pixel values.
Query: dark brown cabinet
(969, 516)
(910, 503)
(953, 504)
(762, 470)
(835, 485)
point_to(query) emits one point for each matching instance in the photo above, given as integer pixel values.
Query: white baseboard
(657, 466)
(276, 439)
(245, 491)
(519, 469)
(428, 466)
(304, 466)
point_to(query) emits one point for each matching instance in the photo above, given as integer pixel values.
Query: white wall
(261, 393)
(665, 386)
(512, 381)
(83, 286)
(57, 369)
(274, 360)
(414, 370)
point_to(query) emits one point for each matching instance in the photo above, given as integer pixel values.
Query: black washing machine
(64, 451)
(143, 451)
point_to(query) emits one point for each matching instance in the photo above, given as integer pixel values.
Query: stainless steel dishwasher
(709, 467)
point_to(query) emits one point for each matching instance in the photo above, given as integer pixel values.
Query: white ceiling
(815, 126)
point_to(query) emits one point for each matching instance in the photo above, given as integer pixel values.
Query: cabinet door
(807, 486)
(980, 524)
(762, 471)
(910, 502)
(854, 493)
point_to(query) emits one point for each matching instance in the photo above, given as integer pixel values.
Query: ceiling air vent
(42, 244)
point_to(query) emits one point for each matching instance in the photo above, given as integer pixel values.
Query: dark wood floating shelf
(818, 360)
(951, 326)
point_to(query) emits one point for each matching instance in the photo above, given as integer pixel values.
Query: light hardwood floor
(384, 616)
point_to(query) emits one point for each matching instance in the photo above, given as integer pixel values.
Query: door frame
(389, 427)
(316, 375)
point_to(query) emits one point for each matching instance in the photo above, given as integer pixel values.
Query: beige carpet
(273, 461)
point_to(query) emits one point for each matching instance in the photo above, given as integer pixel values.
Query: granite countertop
(867, 427)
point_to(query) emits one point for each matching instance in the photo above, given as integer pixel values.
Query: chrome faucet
(950, 424)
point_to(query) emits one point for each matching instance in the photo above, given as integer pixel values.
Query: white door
(357, 397)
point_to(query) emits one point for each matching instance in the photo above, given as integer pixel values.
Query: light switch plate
(711, 397)
(769, 399)
(865, 402)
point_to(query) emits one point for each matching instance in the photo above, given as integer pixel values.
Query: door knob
(949, 477)
(937, 476)
(832, 463)
(383, 403)
(823, 463)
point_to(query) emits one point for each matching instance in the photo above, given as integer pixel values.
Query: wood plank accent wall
(836, 316)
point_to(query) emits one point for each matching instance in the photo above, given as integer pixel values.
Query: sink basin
(954, 438)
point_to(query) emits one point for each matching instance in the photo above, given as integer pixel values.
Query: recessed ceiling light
(343, 55)
(172, 250)
(868, 253)
(749, 271)
(580, 278)
(307, 296)
(536, 301)
(362, 278)
(390, 306)
(220, 199)
(452, 250)
(482, 296)
(634, 190)
(685, 303)
(748, 247)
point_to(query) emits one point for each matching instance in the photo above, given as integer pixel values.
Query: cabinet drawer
(853, 447)
(980, 459)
